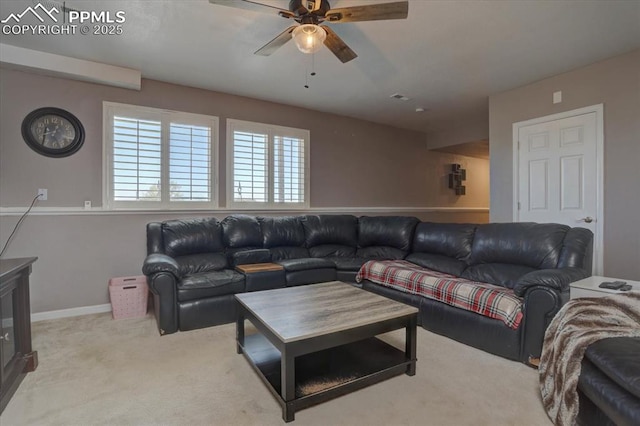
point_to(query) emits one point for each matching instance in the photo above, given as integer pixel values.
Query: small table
(588, 287)
(262, 276)
(317, 342)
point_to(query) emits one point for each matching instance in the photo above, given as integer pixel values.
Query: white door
(558, 173)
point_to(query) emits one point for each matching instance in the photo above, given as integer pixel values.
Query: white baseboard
(72, 312)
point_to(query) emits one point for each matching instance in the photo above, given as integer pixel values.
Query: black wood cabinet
(16, 355)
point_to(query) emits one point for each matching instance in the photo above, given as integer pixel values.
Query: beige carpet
(97, 371)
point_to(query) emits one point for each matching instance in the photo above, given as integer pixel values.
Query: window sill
(79, 211)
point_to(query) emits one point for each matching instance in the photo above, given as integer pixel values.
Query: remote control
(614, 285)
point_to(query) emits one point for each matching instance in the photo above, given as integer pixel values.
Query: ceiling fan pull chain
(313, 64)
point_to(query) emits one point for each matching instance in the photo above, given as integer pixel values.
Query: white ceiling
(448, 56)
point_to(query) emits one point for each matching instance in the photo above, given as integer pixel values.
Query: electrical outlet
(42, 194)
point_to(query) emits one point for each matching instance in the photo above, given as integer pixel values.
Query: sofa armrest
(250, 256)
(157, 262)
(556, 279)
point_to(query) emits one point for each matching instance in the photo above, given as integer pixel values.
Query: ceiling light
(308, 37)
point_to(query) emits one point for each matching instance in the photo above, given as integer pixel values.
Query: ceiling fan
(309, 35)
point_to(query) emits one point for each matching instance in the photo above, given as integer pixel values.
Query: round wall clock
(53, 132)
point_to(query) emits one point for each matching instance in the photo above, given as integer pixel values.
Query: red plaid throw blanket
(485, 299)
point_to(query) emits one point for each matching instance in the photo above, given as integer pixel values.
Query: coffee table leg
(410, 345)
(288, 385)
(240, 332)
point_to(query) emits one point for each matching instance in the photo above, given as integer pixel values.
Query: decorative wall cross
(456, 177)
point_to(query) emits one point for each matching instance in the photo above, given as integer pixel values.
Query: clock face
(53, 132)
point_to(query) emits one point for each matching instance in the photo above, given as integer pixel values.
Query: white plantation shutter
(267, 166)
(250, 151)
(158, 159)
(288, 170)
(136, 159)
(189, 163)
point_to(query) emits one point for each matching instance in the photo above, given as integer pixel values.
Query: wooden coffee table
(316, 342)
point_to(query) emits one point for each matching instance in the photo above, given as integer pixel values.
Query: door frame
(598, 260)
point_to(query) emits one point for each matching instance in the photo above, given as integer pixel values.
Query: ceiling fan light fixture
(308, 37)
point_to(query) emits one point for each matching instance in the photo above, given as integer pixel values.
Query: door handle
(587, 219)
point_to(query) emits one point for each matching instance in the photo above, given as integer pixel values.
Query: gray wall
(616, 84)
(386, 158)
(354, 164)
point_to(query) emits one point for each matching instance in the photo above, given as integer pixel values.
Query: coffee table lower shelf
(323, 375)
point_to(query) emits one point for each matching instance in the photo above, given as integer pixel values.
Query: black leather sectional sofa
(609, 383)
(190, 267)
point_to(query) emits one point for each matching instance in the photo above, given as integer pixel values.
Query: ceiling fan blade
(372, 12)
(337, 46)
(254, 6)
(275, 44)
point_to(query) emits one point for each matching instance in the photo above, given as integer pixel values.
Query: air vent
(399, 96)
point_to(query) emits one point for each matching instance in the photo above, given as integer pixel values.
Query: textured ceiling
(448, 56)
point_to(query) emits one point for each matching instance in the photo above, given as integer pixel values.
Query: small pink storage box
(129, 296)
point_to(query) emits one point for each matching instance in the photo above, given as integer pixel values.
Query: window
(158, 159)
(267, 166)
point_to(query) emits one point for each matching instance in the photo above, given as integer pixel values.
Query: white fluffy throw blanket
(578, 324)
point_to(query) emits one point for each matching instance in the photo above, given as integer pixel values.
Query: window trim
(110, 109)
(271, 130)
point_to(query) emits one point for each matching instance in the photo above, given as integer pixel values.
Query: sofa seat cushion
(348, 263)
(292, 265)
(619, 359)
(485, 299)
(210, 284)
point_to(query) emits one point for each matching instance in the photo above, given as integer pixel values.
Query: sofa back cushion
(330, 235)
(241, 231)
(452, 240)
(284, 237)
(527, 244)
(385, 237)
(438, 262)
(503, 252)
(192, 236)
(202, 262)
